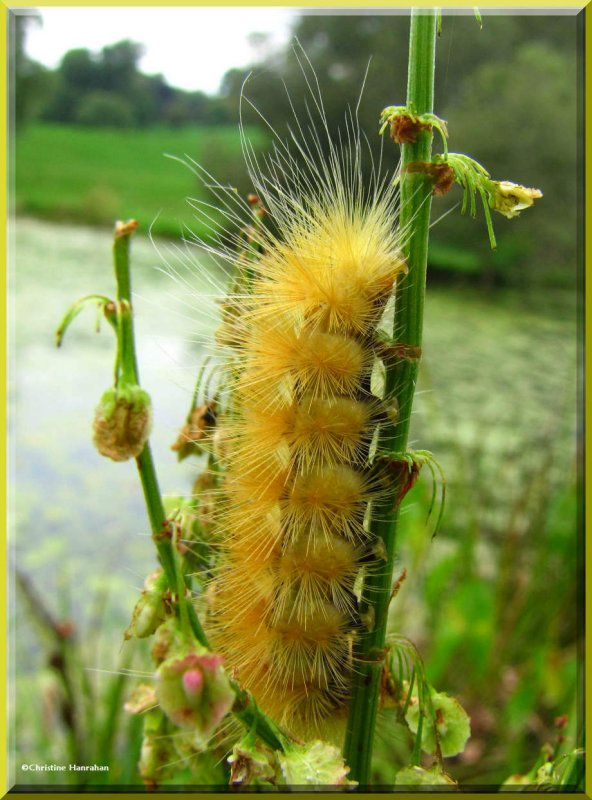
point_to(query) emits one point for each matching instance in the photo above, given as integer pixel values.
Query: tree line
(104, 89)
(509, 93)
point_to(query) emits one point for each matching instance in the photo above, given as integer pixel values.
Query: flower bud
(149, 611)
(194, 691)
(122, 423)
(193, 684)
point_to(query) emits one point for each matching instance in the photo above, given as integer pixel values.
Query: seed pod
(316, 763)
(449, 726)
(122, 423)
(149, 611)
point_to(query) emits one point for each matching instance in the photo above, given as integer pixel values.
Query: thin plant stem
(162, 532)
(401, 376)
(245, 708)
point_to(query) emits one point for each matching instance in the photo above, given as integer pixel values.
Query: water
(78, 518)
(495, 378)
(497, 396)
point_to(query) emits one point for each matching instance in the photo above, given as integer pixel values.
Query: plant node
(405, 124)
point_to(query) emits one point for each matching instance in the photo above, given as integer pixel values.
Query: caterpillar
(298, 424)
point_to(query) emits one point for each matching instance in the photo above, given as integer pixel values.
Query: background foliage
(508, 93)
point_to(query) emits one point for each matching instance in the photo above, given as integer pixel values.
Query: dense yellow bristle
(329, 500)
(257, 391)
(252, 529)
(334, 270)
(301, 323)
(329, 364)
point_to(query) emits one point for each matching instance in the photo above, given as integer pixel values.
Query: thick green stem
(400, 383)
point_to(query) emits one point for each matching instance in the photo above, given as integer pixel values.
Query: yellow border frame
(3, 366)
(329, 4)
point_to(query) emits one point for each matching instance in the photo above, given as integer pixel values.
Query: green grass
(68, 173)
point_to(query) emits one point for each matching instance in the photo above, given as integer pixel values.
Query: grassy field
(492, 603)
(76, 174)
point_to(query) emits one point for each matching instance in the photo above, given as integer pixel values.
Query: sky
(191, 47)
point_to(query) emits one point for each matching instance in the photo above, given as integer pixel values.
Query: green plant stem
(401, 376)
(162, 533)
(127, 362)
(245, 708)
(250, 715)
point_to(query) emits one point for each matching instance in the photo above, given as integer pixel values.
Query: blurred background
(493, 602)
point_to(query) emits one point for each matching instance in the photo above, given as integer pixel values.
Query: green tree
(518, 72)
(102, 109)
(75, 77)
(29, 81)
(114, 70)
(107, 88)
(118, 66)
(530, 96)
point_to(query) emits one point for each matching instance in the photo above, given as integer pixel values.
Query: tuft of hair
(309, 286)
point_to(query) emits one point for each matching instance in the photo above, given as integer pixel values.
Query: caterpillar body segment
(300, 327)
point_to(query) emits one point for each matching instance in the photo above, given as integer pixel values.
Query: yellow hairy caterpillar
(295, 434)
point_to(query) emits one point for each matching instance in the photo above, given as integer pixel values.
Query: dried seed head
(200, 424)
(510, 198)
(122, 423)
(125, 228)
(441, 174)
(404, 129)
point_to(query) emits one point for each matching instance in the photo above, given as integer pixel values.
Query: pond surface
(497, 392)
(496, 399)
(77, 518)
(497, 377)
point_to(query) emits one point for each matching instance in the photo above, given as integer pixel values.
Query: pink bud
(211, 661)
(192, 683)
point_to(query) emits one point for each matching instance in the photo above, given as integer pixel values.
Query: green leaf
(98, 299)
